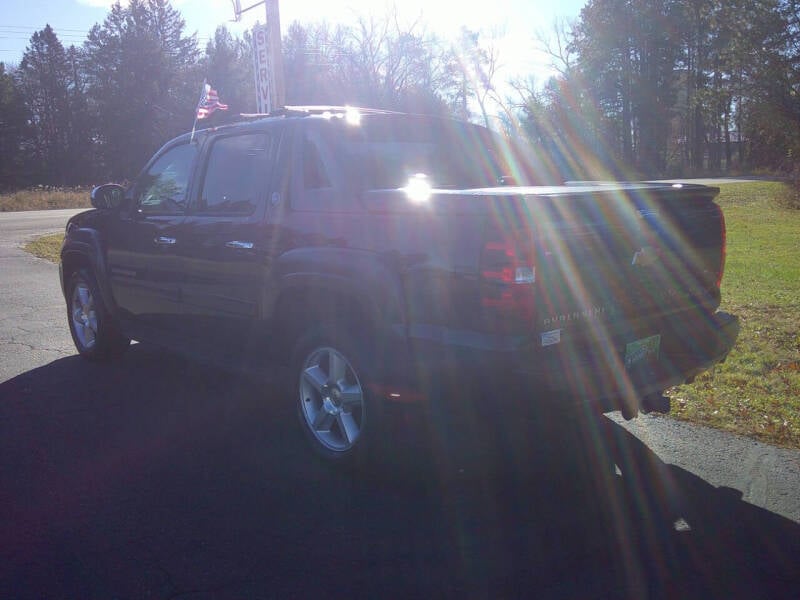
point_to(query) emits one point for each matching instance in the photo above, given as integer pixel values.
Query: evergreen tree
(46, 86)
(626, 54)
(143, 82)
(228, 66)
(14, 130)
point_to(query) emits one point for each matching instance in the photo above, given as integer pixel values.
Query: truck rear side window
(236, 175)
(384, 152)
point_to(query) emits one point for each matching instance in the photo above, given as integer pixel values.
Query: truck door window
(164, 187)
(314, 175)
(236, 175)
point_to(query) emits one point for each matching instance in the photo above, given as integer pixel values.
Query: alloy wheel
(332, 399)
(84, 315)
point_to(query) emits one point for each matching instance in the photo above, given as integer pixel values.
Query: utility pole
(276, 56)
(267, 57)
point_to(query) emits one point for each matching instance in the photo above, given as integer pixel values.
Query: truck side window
(165, 184)
(236, 175)
(314, 175)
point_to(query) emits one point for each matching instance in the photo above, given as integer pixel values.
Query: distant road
(718, 180)
(21, 224)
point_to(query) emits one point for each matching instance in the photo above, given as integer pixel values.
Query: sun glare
(352, 116)
(418, 189)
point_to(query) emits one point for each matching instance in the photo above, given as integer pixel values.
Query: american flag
(209, 102)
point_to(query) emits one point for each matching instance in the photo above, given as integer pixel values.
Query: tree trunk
(726, 122)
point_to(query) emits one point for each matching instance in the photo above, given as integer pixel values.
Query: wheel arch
(72, 261)
(82, 249)
(308, 301)
(358, 283)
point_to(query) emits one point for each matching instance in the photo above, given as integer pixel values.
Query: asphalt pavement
(32, 308)
(153, 477)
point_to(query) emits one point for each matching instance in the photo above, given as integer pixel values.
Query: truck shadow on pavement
(153, 477)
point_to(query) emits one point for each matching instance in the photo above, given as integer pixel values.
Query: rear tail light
(723, 236)
(508, 275)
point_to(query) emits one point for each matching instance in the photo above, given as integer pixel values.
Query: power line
(13, 32)
(22, 34)
(25, 28)
(61, 37)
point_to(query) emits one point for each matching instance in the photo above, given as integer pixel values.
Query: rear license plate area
(642, 351)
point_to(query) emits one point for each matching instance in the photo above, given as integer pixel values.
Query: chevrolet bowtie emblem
(646, 256)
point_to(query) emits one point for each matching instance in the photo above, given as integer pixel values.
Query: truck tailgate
(623, 253)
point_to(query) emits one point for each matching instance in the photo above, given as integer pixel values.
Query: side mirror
(108, 195)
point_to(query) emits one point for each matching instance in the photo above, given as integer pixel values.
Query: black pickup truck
(381, 255)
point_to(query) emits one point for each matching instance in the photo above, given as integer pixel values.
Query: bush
(44, 198)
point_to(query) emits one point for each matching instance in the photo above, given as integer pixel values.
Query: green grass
(43, 198)
(756, 392)
(46, 246)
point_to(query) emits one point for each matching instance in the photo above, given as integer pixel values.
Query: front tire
(93, 330)
(338, 415)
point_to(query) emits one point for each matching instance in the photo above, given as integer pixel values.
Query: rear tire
(93, 330)
(338, 415)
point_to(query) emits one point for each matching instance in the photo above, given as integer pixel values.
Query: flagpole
(197, 108)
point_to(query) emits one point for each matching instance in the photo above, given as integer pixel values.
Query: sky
(514, 23)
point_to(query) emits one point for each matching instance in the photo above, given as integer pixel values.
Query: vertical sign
(275, 55)
(262, 70)
(268, 61)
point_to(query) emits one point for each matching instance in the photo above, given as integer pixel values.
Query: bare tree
(478, 58)
(378, 62)
(557, 45)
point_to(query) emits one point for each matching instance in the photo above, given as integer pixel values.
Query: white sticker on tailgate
(551, 337)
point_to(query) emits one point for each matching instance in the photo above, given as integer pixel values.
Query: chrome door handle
(165, 241)
(239, 245)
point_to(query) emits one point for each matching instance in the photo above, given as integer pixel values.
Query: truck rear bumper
(601, 377)
(591, 370)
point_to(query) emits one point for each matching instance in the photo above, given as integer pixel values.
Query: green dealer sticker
(642, 350)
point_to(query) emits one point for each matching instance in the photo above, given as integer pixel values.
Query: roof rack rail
(304, 111)
(322, 109)
(284, 111)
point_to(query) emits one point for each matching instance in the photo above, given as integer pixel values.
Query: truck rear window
(384, 152)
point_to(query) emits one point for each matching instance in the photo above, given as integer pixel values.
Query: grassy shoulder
(44, 198)
(46, 246)
(756, 392)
